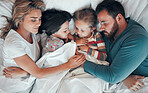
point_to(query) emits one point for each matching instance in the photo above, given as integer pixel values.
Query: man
(127, 47)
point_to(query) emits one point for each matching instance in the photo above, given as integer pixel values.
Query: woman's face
(63, 31)
(83, 29)
(31, 21)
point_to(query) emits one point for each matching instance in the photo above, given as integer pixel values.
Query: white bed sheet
(136, 9)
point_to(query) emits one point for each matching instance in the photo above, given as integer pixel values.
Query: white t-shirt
(16, 46)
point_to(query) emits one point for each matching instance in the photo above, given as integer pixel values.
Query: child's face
(83, 29)
(63, 31)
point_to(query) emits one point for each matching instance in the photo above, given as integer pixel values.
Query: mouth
(105, 32)
(36, 28)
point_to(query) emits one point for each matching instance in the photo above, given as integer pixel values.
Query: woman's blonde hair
(19, 10)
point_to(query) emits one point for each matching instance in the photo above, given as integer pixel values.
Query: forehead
(81, 24)
(65, 25)
(104, 16)
(34, 13)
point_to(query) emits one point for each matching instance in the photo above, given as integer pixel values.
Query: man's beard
(112, 33)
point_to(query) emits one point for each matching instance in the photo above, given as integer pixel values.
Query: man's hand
(132, 82)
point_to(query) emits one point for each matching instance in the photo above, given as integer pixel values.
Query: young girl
(55, 24)
(21, 48)
(88, 39)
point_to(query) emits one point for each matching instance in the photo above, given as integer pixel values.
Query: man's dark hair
(52, 20)
(112, 7)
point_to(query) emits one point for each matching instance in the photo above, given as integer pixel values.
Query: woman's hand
(14, 72)
(132, 82)
(81, 42)
(76, 61)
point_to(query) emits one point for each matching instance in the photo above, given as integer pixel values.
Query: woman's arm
(28, 65)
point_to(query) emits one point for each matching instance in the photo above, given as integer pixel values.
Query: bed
(136, 9)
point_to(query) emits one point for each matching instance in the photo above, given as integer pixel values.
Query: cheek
(86, 33)
(77, 31)
(26, 26)
(109, 28)
(29, 25)
(63, 35)
(83, 34)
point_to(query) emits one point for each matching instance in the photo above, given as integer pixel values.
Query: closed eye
(33, 20)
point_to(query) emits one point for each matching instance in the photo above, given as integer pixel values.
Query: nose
(68, 31)
(38, 23)
(77, 30)
(102, 27)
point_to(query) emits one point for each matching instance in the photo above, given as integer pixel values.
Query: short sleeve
(15, 49)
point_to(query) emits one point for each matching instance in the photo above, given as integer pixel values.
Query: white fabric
(6, 7)
(67, 5)
(16, 85)
(74, 81)
(16, 46)
(60, 56)
(78, 82)
(1, 46)
(120, 88)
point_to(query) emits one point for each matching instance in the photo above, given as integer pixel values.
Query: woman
(21, 47)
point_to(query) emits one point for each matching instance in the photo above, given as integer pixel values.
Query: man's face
(109, 25)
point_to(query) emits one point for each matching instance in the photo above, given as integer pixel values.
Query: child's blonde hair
(87, 15)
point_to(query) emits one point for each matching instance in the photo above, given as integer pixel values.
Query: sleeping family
(115, 52)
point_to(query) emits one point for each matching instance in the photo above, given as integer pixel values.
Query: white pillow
(1, 47)
(5, 9)
(137, 10)
(68, 5)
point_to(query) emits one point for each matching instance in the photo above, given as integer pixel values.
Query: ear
(20, 21)
(119, 17)
(54, 34)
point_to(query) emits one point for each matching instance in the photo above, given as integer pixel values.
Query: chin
(63, 37)
(80, 36)
(35, 32)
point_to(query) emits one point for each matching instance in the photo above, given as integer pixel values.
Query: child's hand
(77, 53)
(81, 42)
(69, 37)
(83, 48)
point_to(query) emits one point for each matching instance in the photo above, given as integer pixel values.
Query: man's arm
(131, 54)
